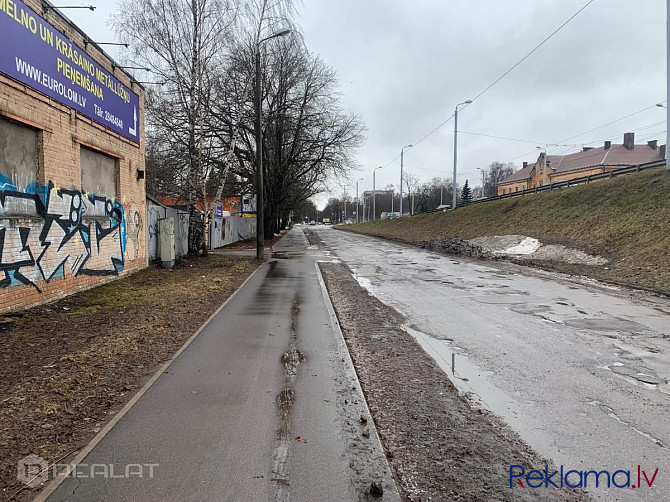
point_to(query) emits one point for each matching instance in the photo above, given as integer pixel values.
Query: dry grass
(626, 220)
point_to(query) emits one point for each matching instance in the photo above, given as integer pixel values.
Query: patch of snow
(525, 247)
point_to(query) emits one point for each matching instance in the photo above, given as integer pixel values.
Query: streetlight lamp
(357, 208)
(402, 154)
(374, 194)
(260, 241)
(453, 205)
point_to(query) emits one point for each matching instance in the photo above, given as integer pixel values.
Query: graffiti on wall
(133, 228)
(46, 230)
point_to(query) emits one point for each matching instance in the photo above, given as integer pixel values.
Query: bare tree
(411, 182)
(182, 43)
(307, 138)
(495, 173)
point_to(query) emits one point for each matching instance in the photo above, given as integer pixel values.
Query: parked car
(312, 222)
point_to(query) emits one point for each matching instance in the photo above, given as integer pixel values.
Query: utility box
(166, 232)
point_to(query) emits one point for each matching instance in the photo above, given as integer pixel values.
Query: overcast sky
(403, 65)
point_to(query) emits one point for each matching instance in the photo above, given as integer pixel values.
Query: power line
(531, 52)
(586, 132)
(609, 123)
(504, 74)
(614, 136)
(511, 139)
(434, 130)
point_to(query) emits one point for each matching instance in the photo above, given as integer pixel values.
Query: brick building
(236, 206)
(72, 193)
(577, 165)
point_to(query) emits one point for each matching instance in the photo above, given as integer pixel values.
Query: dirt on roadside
(439, 447)
(69, 366)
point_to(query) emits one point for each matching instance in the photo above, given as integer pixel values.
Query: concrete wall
(56, 239)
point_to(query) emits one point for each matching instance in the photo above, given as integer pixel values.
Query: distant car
(312, 222)
(442, 207)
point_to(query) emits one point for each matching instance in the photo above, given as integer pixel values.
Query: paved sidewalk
(261, 406)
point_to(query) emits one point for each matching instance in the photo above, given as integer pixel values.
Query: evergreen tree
(466, 194)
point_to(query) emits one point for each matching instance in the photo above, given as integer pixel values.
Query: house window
(18, 154)
(98, 173)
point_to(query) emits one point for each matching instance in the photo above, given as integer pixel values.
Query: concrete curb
(348, 362)
(62, 476)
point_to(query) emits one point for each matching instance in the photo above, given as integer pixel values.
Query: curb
(62, 476)
(344, 352)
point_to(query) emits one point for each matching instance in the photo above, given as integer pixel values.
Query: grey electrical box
(166, 232)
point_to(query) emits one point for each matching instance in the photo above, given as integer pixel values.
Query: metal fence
(574, 182)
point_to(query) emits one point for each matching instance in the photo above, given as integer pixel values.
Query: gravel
(439, 447)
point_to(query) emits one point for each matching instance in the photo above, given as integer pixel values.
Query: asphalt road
(263, 405)
(579, 370)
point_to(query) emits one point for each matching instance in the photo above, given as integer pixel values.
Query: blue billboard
(38, 55)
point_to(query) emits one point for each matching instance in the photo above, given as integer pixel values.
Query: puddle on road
(502, 300)
(364, 282)
(525, 308)
(290, 359)
(468, 378)
(610, 324)
(471, 381)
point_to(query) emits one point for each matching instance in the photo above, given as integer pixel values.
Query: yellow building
(589, 161)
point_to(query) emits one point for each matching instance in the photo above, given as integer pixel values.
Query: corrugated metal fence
(222, 231)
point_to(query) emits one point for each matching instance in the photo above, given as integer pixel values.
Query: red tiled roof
(231, 204)
(616, 156)
(520, 175)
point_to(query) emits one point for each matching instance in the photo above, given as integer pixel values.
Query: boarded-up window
(98, 173)
(18, 154)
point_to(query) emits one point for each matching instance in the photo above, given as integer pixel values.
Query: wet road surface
(579, 370)
(261, 406)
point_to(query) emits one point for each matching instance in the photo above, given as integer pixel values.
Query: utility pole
(402, 158)
(357, 209)
(453, 206)
(544, 164)
(484, 180)
(260, 241)
(374, 194)
(260, 209)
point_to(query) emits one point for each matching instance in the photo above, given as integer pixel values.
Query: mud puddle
(471, 381)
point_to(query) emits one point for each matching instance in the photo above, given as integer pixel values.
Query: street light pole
(667, 109)
(483, 182)
(453, 205)
(544, 164)
(260, 209)
(357, 208)
(374, 193)
(402, 155)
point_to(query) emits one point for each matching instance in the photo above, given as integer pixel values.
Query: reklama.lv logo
(577, 479)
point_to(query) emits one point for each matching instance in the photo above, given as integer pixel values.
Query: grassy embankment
(626, 220)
